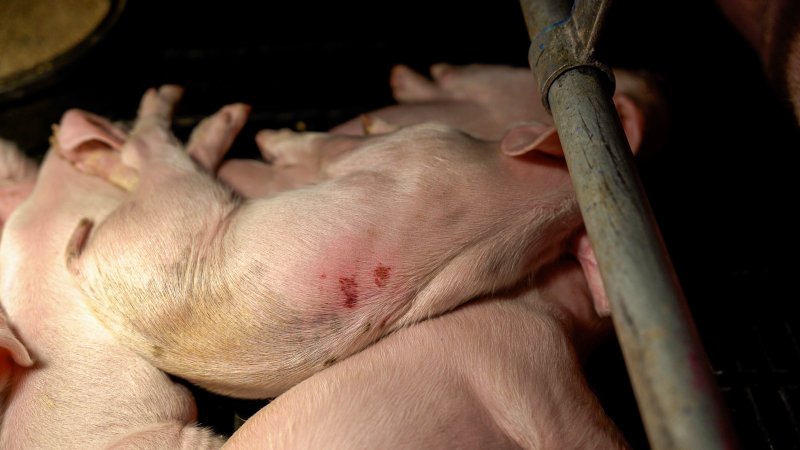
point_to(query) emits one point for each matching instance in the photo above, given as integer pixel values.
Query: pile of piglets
(418, 277)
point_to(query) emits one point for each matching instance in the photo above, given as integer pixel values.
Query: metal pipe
(678, 399)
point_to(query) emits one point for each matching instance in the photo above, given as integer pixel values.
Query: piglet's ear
(632, 119)
(583, 251)
(79, 127)
(524, 138)
(90, 143)
(11, 347)
(12, 353)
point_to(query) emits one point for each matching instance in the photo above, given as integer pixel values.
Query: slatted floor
(723, 190)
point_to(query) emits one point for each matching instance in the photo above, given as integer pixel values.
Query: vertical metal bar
(675, 389)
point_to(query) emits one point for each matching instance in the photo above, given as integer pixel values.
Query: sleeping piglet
(350, 239)
(65, 382)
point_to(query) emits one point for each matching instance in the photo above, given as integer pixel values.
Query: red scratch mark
(383, 322)
(323, 276)
(349, 288)
(381, 274)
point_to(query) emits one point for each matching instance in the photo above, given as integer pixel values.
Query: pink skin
(772, 27)
(371, 234)
(17, 176)
(72, 385)
(500, 372)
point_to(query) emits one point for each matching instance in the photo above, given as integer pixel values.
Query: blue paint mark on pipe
(561, 22)
(551, 27)
(554, 25)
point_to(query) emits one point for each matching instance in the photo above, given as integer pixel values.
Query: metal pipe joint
(568, 44)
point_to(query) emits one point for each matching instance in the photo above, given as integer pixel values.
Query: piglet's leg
(151, 139)
(213, 137)
(251, 178)
(409, 86)
(448, 83)
(313, 151)
(291, 160)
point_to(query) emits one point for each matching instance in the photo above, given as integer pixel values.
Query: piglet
(71, 385)
(499, 372)
(371, 234)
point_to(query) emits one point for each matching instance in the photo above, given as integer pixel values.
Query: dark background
(722, 189)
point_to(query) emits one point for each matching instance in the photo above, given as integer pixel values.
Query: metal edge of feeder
(680, 405)
(18, 85)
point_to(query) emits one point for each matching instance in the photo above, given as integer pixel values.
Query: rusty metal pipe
(676, 392)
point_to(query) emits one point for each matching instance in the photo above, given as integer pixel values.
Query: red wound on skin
(381, 275)
(323, 276)
(349, 288)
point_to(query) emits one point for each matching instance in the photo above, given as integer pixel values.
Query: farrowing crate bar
(678, 399)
